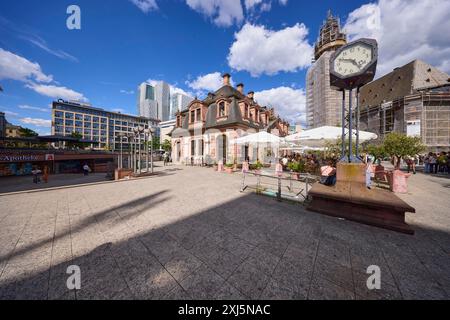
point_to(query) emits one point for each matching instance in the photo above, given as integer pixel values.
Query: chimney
(240, 88)
(226, 79)
(250, 95)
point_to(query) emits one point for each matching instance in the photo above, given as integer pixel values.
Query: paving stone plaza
(188, 233)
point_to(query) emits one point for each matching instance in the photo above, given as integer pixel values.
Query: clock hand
(352, 61)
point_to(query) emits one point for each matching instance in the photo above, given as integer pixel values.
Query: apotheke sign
(13, 158)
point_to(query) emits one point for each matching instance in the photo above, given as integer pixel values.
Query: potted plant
(257, 167)
(296, 167)
(229, 167)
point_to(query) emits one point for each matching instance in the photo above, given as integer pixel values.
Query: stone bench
(353, 201)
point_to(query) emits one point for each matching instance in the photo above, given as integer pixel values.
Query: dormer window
(192, 117)
(222, 112)
(198, 115)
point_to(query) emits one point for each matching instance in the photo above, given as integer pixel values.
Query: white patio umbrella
(259, 138)
(318, 137)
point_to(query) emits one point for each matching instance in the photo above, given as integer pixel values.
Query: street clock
(354, 64)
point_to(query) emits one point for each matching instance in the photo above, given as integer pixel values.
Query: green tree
(77, 144)
(166, 145)
(333, 149)
(154, 143)
(376, 150)
(28, 133)
(399, 145)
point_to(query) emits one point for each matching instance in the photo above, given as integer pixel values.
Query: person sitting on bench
(328, 174)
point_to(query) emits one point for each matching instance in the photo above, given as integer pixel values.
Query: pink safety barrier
(245, 167)
(279, 170)
(398, 181)
(220, 167)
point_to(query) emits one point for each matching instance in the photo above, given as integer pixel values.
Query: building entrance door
(222, 148)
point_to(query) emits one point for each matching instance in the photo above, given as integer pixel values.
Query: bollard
(279, 189)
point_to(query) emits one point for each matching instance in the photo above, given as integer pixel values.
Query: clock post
(351, 67)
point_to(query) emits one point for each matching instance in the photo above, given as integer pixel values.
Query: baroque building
(206, 131)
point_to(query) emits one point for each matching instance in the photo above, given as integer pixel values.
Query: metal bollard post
(279, 189)
(243, 182)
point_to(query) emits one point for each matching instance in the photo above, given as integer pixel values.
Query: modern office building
(323, 103)
(95, 124)
(146, 102)
(413, 99)
(178, 102)
(154, 101)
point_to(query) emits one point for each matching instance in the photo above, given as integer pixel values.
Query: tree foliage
(80, 145)
(166, 145)
(399, 145)
(376, 150)
(28, 133)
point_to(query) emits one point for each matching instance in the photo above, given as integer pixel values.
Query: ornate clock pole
(351, 67)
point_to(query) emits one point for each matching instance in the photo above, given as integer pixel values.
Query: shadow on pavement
(247, 248)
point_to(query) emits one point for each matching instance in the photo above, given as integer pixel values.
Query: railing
(298, 188)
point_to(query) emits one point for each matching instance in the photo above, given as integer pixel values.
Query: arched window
(222, 109)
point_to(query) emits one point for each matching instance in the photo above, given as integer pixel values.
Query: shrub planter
(229, 169)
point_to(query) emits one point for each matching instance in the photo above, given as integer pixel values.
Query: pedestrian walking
(45, 175)
(86, 169)
(36, 173)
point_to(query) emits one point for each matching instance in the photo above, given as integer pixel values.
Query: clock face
(353, 59)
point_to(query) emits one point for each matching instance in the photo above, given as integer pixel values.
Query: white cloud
(41, 43)
(11, 114)
(208, 82)
(223, 13)
(145, 5)
(405, 30)
(249, 4)
(15, 67)
(262, 51)
(288, 102)
(27, 107)
(56, 92)
(37, 122)
(127, 92)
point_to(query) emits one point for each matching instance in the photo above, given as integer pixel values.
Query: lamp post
(130, 137)
(151, 131)
(121, 135)
(147, 139)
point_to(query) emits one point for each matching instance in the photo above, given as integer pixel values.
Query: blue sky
(266, 44)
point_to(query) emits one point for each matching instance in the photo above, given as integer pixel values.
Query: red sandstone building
(206, 131)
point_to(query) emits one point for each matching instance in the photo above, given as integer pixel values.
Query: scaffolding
(330, 36)
(426, 114)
